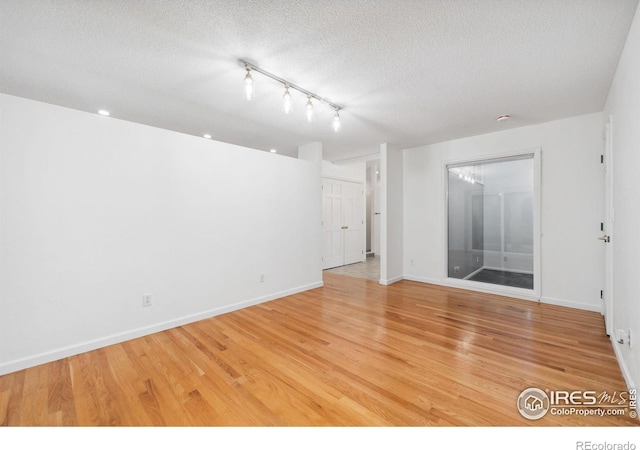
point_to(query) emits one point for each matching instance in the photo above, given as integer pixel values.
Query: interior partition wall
(491, 221)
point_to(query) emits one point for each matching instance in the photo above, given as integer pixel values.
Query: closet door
(353, 222)
(342, 223)
(332, 235)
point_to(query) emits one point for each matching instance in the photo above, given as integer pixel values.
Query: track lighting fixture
(287, 101)
(248, 83)
(309, 109)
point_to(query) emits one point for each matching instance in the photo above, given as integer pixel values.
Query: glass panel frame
(474, 243)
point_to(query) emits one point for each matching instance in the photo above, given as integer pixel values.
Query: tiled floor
(369, 269)
(504, 278)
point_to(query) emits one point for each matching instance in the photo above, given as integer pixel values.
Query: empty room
(319, 213)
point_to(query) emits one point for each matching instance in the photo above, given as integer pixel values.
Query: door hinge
(601, 294)
(601, 159)
(601, 226)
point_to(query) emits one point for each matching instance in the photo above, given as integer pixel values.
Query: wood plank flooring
(353, 353)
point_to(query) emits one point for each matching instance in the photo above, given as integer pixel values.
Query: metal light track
(291, 85)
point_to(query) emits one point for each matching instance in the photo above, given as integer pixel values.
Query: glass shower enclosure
(491, 212)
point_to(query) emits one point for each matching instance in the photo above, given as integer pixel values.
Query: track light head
(248, 84)
(336, 121)
(309, 109)
(286, 106)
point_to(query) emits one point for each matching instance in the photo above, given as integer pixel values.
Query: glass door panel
(491, 212)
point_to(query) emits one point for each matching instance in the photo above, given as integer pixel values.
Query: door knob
(605, 238)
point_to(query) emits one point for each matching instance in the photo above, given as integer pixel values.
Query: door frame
(608, 292)
(527, 294)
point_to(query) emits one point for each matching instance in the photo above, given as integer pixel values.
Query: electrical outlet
(620, 336)
(261, 278)
(146, 300)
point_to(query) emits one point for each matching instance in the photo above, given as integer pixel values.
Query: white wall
(572, 185)
(623, 104)
(351, 172)
(312, 236)
(96, 212)
(391, 210)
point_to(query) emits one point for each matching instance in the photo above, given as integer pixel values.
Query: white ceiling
(407, 72)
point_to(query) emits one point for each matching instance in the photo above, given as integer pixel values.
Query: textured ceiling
(407, 72)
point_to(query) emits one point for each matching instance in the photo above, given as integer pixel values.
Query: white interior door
(332, 235)
(342, 223)
(375, 233)
(353, 222)
(607, 228)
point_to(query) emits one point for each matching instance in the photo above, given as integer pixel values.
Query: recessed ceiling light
(502, 117)
(104, 112)
(273, 150)
(206, 136)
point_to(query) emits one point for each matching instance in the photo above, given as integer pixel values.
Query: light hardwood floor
(349, 354)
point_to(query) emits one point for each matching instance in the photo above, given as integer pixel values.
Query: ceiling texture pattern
(407, 72)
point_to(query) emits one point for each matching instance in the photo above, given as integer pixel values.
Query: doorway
(342, 223)
(373, 208)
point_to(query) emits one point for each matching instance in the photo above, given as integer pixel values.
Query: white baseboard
(514, 294)
(571, 304)
(626, 373)
(65, 352)
(391, 280)
(423, 280)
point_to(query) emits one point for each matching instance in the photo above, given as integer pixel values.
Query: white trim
(391, 280)
(520, 294)
(364, 158)
(65, 352)
(571, 304)
(626, 373)
(488, 288)
(422, 280)
(608, 288)
(336, 178)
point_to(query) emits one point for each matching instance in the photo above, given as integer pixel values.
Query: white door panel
(332, 252)
(342, 223)
(607, 229)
